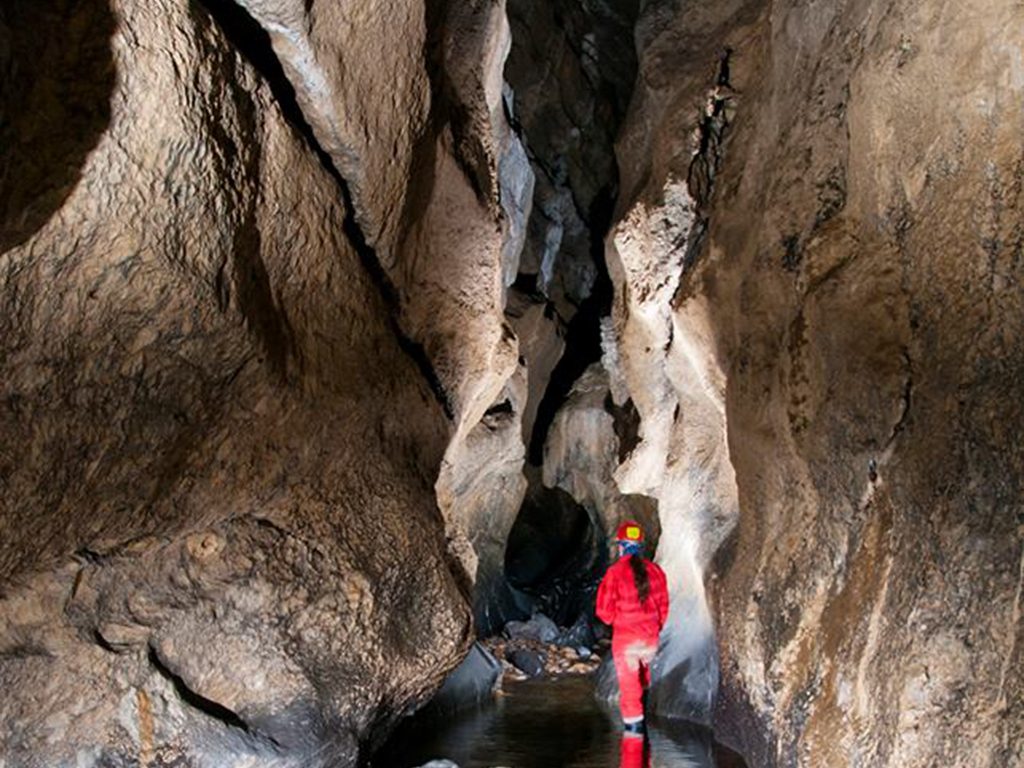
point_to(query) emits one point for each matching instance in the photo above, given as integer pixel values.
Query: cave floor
(547, 723)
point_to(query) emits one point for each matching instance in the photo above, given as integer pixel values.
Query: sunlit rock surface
(821, 227)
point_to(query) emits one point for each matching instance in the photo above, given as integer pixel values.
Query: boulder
(471, 683)
(579, 636)
(539, 628)
(530, 662)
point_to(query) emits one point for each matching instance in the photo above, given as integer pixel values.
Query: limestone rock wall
(220, 541)
(821, 226)
(405, 101)
(661, 350)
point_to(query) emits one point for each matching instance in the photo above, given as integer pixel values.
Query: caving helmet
(630, 531)
(630, 537)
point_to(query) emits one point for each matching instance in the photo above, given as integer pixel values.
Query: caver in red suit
(635, 622)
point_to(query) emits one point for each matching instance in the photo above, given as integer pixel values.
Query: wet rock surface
(475, 681)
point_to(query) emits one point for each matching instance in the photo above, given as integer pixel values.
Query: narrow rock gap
(583, 334)
(98, 638)
(703, 171)
(253, 43)
(198, 702)
(567, 117)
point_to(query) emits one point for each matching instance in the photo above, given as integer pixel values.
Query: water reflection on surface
(549, 724)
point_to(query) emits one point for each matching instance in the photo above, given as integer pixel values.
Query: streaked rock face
(818, 261)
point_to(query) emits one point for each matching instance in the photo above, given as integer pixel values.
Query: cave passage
(567, 117)
(338, 339)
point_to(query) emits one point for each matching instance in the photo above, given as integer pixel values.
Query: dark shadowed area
(57, 76)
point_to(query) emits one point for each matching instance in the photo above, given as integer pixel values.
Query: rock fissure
(253, 42)
(197, 701)
(712, 130)
(906, 395)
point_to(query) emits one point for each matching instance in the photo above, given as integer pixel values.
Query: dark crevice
(504, 408)
(792, 253)
(905, 399)
(250, 40)
(700, 179)
(57, 77)
(101, 641)
(555, 554)
(626, 424)
(498, 415)
(90, 556)
(583, 335)
(568, 117)
(526, 285)
(253, 43)
(207, 706)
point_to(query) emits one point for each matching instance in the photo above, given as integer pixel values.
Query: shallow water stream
(549, 723)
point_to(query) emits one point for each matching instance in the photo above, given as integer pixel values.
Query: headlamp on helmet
(630, 532)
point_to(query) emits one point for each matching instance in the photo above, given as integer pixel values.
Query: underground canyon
(337, 335)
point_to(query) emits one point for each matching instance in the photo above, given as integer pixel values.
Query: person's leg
(627, 669)
(645, 682)
(633, 657)
(631, 751)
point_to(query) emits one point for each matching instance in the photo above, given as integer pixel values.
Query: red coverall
(634, 753)
(635, 629)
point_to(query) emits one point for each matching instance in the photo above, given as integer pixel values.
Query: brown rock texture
(405, 105)
(220, 538)
(817, 268)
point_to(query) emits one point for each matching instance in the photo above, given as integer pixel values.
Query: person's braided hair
(640, 576)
